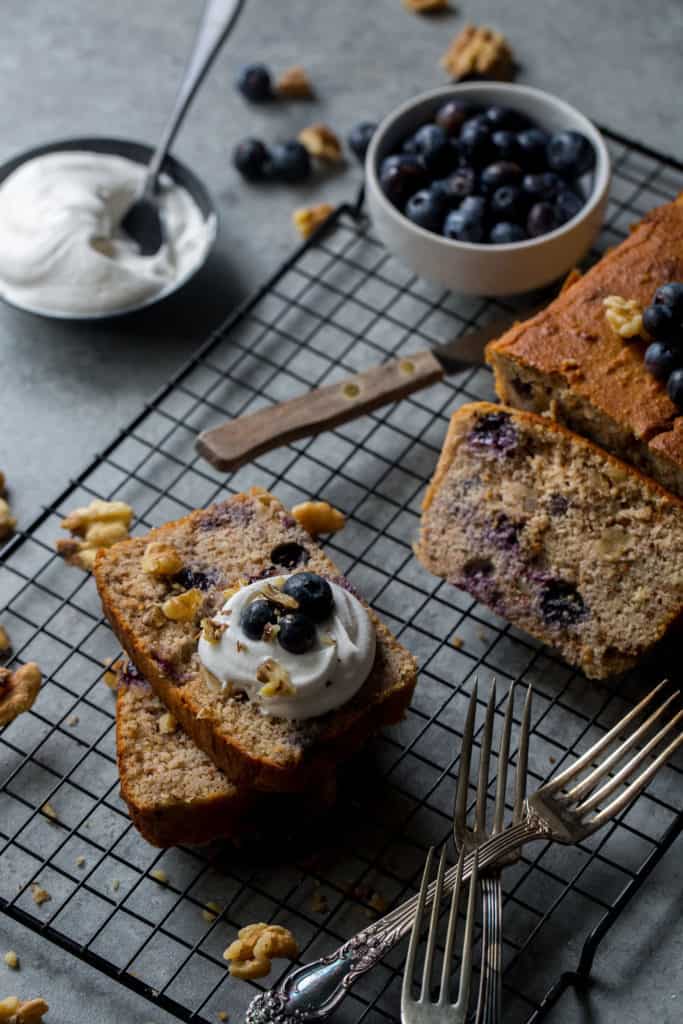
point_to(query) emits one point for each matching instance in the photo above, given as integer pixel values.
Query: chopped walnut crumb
(72, 721)
(457, 642)
(426, 6)
(18, 690)
(49, 812)
(479, 50)
(159, 875)
(167, 724)
(12, 960)
(161, 559)
(625, 316)
(378, 902)
(295, 84)
(319, 517)
(115, 884)
(5, 642)
(307, 219)
(183, 607)
(222, 1015)
(99, 525)
(212, 630)
(321, 142)
(30, 1012)
(110, 677)
(38, 894)
(272, 592)
(7, 520)
(251, 953)
(319, 903)
(275, 678)
(80, 860)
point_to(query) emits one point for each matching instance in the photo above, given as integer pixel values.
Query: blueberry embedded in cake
(557, 536)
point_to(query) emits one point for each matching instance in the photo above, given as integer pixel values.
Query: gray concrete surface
(96, 67)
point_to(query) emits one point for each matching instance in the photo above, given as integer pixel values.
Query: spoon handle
(218, 18)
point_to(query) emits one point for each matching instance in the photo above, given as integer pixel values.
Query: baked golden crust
(571, 345)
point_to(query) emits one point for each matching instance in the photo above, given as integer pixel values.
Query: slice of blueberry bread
(174, 792)
(564, 540)
(162, 594)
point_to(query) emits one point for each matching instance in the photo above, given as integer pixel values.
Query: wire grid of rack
(340, 304)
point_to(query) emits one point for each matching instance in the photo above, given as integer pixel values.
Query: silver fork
(423, 1010)
(311, 992)
(470, 839)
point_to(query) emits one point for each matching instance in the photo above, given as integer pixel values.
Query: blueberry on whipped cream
(296, 645)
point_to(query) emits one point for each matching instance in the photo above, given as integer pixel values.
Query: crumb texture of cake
(249, 537)
(569, 360)
(552, 533)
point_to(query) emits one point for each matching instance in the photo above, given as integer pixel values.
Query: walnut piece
(183, 607)
(319, 517)
(5, 642)
(7, 520)
(98, 525)
(295, 84)
(251, 953)
(159, 875)
(479, 50)
(161, 559)
(275, 678)
(31, 1012)
(321, 142)
(38, 894)
(308, 218)
(625, 316)
(167, 724)
(12, 960)
(426, 6)
(18, 690)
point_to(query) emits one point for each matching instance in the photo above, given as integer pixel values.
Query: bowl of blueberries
(487, 188)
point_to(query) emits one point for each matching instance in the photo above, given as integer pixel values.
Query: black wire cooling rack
(339, 305)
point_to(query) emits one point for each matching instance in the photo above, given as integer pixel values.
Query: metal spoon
(142, 221)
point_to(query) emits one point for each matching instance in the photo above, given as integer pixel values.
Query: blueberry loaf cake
(174, 792)
(255, 643)
(564, 540)
(569, 358)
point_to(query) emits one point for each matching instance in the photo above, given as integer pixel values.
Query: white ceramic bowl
(487, 269)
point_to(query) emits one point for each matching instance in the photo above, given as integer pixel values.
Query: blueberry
(200, 579)
(432, 144)
(401, 176)
(504, 118)
(507, 205)
(464, 226)
(427, 208)
(359, 138)
(531, 149)
(567, 205)
(255, 617)
(297, 633)
(254, 82)
(540, 187)
(452, 115)
(290, 161)
(660, 360)
(313, 593)
(504, 172)
(251, 158)
(289, 555)
(674, 387)
(475, 142)
(570, 153)
(505, 232)
(670, 295)
(458, 185)
(504, 145)
(660, 323)
(494, 431)
(542, 219)
(561, 603)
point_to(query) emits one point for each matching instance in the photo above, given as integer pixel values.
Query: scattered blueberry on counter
(255, 83)
(359, 138)
(487, 175)
(663, 321)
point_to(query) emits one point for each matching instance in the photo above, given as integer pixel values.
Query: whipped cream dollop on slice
(316, 682)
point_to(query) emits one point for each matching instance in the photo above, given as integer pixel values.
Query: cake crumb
(115, 883)
(38, 894)
(49, 812)
(159, 875)
(12, 960)
(211, 911)
(294, 84)
(73, 721)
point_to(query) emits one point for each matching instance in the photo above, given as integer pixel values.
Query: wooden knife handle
(237, 441)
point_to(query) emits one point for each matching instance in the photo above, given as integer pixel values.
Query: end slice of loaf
(174, 792)
(568, 360)
(564, 540)
(248, 537)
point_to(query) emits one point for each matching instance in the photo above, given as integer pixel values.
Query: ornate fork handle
(312, 992)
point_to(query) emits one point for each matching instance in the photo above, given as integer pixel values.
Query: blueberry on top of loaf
(568, 359)
(156, 610)
(554, 534)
